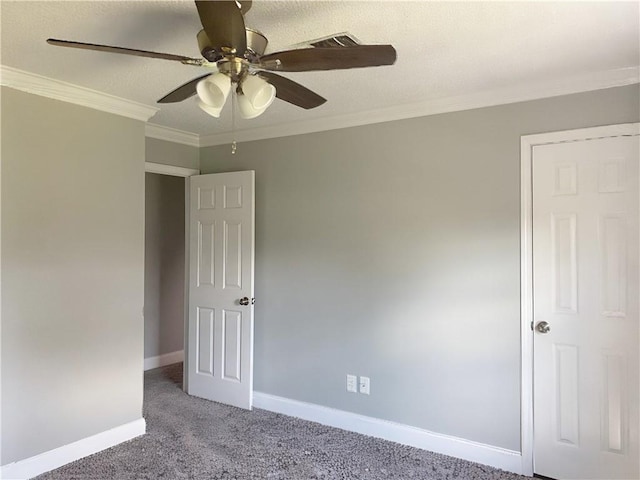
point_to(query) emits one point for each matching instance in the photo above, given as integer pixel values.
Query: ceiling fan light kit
(258, 92)
(253, 93)
(246, 109)
(213, 111)
(249, 109)
(214, 90)
(237, 53)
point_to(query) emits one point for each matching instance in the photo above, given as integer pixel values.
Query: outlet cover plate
(365, 383)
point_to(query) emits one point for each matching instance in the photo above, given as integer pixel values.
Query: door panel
(585, 281)
(220, 344)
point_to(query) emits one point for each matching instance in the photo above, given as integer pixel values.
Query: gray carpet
(190, 438)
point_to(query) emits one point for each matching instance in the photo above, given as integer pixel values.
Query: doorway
(199, 279)
(165, 264)
(580, 250)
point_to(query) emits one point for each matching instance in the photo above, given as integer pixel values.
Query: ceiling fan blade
(331, 58)
(293, 92)
(224, 24)
(126, 51)
(183, 91)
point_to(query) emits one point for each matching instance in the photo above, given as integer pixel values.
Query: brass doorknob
(543, 327)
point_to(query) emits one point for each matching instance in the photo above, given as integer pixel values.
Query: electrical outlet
(352, 383)
(364, 385)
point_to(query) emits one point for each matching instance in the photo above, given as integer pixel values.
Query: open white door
(221, 252)
(585, 306)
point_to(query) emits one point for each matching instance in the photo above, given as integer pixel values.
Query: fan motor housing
(256, 45)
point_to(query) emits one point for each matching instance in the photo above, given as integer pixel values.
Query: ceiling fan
(236, 55)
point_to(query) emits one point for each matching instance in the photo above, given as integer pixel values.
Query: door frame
(527, 142)
(174, 171)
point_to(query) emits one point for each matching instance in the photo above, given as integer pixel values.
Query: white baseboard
(47, 461)
(497, 457)
(162, 360)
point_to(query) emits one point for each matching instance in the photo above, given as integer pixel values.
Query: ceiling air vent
(344, 39)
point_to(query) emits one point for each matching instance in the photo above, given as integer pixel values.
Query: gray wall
(72, 273)
(392, 251)
(164, 265)
(170, 153)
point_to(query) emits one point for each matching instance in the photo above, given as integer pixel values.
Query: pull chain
(234, 145)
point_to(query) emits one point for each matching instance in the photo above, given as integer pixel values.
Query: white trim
(162, 360)
(527, 142)
(187, 266)
(67, 92)
(396, 432)
(153, 130)
(591, 133)
(47, 461)
(1, 397)
(172, 170)
(520, 93)
(526, 308)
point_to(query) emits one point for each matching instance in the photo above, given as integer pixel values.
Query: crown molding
(169, 134)
(520, 93)
(39, 85)
(67, 92)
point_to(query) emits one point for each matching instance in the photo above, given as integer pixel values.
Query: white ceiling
(445, 49)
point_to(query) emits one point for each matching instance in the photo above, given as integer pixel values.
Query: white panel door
(585, 281)
(221, 262)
